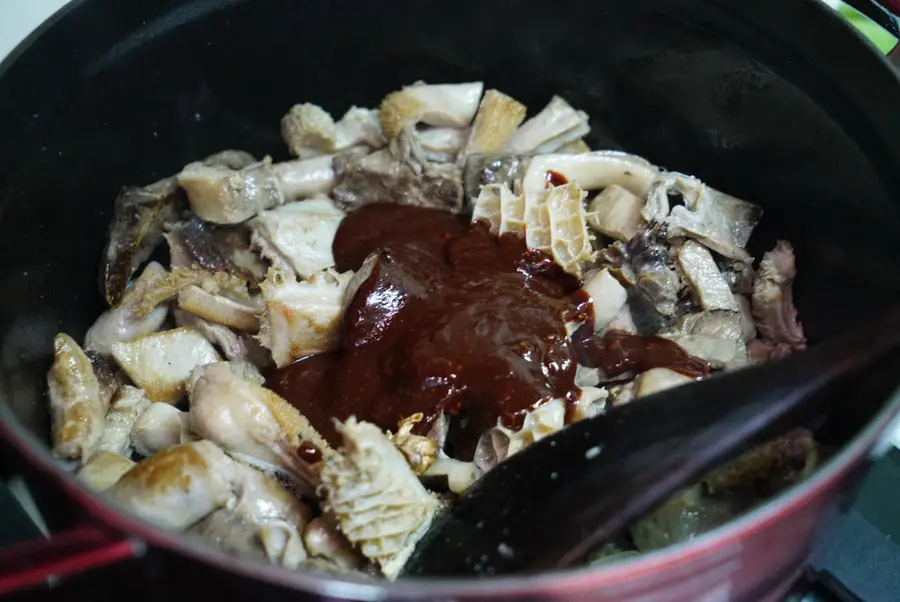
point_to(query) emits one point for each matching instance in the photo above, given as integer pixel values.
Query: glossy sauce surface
(618, 352)
(454, 320)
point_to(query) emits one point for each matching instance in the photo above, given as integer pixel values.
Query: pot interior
(113, 93)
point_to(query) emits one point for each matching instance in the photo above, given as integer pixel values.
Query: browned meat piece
(215, 248)
(227, 196)
(138, 220)
(375, 497)
(483, 170)
(324, 539)
(451, 105)
(398, 175)
(310, 131)
(497, 119)
(77, 407)
(135, 231)
(644, 263)
(780, 333)
(767, 469)
(683, 517)
(108, 375)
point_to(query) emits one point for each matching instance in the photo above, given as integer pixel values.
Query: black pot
(776, 101)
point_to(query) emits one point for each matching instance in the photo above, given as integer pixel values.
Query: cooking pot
(776, 101)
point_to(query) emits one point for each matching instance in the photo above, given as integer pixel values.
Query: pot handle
(79, 549)
(886, 14)
(894, 56)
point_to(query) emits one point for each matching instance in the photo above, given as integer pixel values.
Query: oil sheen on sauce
(451, 320)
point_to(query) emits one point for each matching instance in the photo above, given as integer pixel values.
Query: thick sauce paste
(454, 320)
(619, 352)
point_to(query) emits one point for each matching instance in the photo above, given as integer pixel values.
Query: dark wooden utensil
(552, 504)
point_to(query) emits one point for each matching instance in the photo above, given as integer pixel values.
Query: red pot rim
(873, 438)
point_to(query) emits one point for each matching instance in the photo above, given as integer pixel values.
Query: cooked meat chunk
(160, 426)
(241, 370)
(132, 318)
(608, 297)
(419, 451)
(214, 248)
(235, 347)
(245, 418)
(359, 127)
(401, 175)
(377, 500)
(172, 283)
(621, 394)
(265, 521)
(591, 402)
(139, 218)
(496, 121)
(644, 263)
(297, 237)
(451, 105)
(310, 131)
(323, 539)
(499, 443)
(488, 207)
(555, 126)
(767, 469)
(127, 404)
(441, 144)
(500, 209)
(136, 230)
(684, 517)
(159, 363)
(276, 542)
(658, 379)
(512, 213)
(728, 491)
(587, 377)
(225, 196)
(592, 171)
(302, 318)
(459, 475)
(219, 309)
(780, 333)
(108, 375)
(616, 212)
(624, 321)
(104, 470)
(718, 221)
(555, 223)
(176, 487)
(704, 277)
(714, 336)
(484, 170)
(739, 275)
(77, 407)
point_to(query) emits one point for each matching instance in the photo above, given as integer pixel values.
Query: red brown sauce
(455, 320)
(619, 352)
(309, 452)
(554, 178)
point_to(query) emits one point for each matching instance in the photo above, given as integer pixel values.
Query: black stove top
(857, 558)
